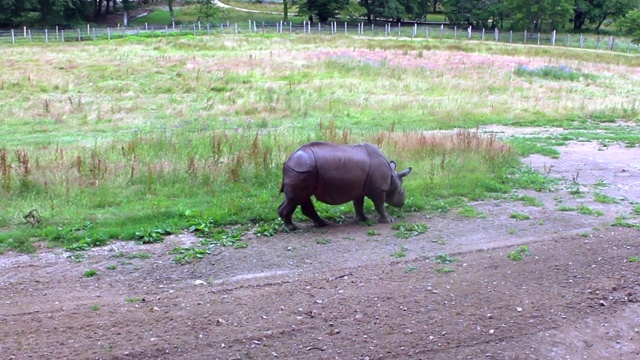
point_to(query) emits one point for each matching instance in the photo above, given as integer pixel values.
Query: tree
(382, 9)
(171, 11)
(598, 11)
(207, 9)
(630, 24)
(285, 10)
(127, 5)
(601, 10)
(323, 9)
(534, 14)
(477, 13)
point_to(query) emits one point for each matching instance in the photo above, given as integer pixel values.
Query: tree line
(69, 12)
(531, 15)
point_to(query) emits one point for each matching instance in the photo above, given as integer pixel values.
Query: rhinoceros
(336, 174)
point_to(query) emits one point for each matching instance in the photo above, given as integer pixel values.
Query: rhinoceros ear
(393, 165)
(404, 172)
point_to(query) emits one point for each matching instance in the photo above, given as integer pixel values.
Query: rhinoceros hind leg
(310, 211)
(358, 206)
(286, 210)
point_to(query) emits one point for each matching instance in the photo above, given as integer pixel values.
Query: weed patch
(519, 216)
(185, 255)
(550, 72)
(90, 273)
(406, 230)
(470, 212)
(621, 221)
(519, 253)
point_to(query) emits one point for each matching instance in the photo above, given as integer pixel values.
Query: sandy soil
(575, 296)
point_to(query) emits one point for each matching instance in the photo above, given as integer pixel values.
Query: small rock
(200, 282)
(602, 303)
(491, 331)
(518, 309)
(220, 322)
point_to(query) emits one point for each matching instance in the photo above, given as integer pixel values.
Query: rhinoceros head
(395, 194)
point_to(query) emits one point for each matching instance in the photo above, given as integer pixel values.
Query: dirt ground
(576, 296)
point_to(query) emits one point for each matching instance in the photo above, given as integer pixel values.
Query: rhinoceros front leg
(310, 211)
(378, 202)
(358, 206)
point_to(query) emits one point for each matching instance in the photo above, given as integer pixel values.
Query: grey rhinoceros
(336, 174)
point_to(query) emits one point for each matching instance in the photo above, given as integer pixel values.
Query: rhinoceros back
(343, 171)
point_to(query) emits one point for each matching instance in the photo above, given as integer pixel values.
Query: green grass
(139, 138)
(406, 230)
(90, 273)
(470, 212)
(532, 145)
(529, 200)
(566, 208)
(519, 253)
(400, 253)
(586, 210)
(520, 216)
(604, 198)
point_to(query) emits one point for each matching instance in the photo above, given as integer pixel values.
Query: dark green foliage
(630, 23)
(541, 15)
(186, 255)
(476, 13)
(527, 178)
(406, 230)
(519, 253)
(561, 72)
(150, 236)
(323, 10)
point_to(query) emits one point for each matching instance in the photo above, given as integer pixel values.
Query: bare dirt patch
(356, 296)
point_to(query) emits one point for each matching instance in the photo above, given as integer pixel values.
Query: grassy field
(137, 138)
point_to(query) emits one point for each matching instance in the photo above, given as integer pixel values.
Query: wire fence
(389, 30)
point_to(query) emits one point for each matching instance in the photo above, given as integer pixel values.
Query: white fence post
(13, 36)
